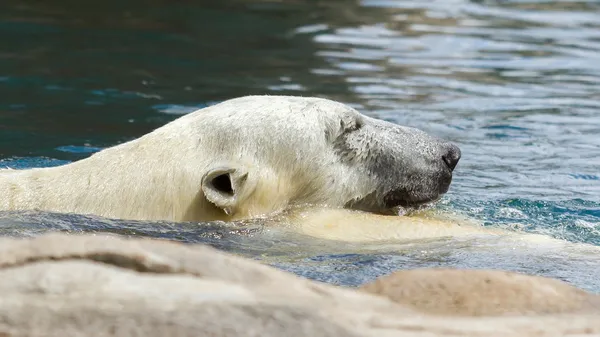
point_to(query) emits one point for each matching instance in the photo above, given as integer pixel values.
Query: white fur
(158, 176)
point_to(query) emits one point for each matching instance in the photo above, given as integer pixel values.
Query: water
(516, 84)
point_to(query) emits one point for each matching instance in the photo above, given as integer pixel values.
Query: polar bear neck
(134, 180)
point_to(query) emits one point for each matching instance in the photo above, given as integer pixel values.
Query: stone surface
(62, 285)
(482, 293)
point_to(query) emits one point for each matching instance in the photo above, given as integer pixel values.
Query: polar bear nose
(451, 155)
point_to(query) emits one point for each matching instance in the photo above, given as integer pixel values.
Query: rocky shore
(97, 285)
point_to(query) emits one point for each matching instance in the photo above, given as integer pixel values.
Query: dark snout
(411, 167)
(422, 171)
(422, 183)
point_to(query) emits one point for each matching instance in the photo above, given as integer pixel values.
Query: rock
(65, 285)
(482, 293)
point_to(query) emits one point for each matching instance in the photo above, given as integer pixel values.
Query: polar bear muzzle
(410, 167)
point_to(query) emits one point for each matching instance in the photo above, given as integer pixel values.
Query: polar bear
(244, 158)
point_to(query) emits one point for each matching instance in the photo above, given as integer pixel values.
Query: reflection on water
(515, 83)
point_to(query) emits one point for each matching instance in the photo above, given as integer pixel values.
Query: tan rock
(482, 293)
(61, 285)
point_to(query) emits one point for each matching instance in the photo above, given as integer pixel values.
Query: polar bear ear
(222, 186)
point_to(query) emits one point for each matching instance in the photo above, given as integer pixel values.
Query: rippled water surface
(516, 84)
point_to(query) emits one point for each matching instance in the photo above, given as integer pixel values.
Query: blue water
(516, 84)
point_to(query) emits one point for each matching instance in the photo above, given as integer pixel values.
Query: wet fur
(296, 151)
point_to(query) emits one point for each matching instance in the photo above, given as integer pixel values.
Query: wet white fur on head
(275, 151)
(279, 142)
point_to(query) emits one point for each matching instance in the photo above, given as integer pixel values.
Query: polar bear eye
(358, 123)
(347, 124)
(222, 183)
(351, 124)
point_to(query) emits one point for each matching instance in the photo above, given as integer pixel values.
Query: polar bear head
(255, 155)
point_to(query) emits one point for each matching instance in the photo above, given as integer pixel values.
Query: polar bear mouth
(401, 198)
(395, 202)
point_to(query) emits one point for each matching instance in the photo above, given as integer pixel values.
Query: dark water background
(515, 83)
